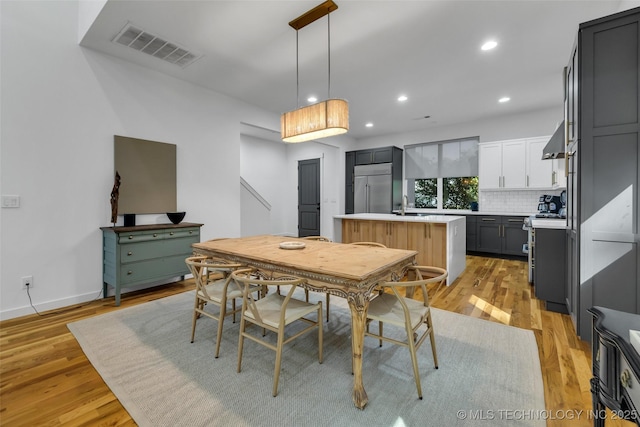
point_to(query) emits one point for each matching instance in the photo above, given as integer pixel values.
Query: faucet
(405, 202)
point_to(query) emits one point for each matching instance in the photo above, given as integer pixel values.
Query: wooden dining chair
(410, 314)
(213, 286)
(306, 291)
(274, 312)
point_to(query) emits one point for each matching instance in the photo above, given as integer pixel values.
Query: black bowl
(176, 217)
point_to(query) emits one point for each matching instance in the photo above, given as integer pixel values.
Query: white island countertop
(441, 219)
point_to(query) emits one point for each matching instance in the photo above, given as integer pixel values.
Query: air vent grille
(145, 42)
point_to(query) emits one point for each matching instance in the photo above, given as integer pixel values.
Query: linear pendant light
(325, 118)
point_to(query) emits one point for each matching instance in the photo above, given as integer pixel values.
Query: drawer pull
(130, 237)
(155, 234)
(129, 253)
(129, 273)
(171, 233)
(625, 378)
(191, 232)
(488, 219)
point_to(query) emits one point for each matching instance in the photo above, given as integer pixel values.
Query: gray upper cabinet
(372, 156)
(604, 185)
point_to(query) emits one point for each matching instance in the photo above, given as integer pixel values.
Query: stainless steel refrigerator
(372, 191)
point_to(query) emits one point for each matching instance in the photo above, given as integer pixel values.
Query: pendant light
(325, 118)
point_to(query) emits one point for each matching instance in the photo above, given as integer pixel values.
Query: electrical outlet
(27, 282)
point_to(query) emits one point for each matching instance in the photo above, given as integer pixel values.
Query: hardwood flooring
(46, 380)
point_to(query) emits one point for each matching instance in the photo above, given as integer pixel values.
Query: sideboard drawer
(140, 236)
(184, 232)
(143, 250)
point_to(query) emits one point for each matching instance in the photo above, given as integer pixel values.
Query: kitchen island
(440, 240)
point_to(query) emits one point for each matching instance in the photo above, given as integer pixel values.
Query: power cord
(60, 311)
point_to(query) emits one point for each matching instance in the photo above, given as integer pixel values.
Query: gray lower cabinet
(500, 234)
(136, 256)
(549, 272)
(472, 242)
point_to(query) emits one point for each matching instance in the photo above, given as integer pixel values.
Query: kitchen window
(442, 175)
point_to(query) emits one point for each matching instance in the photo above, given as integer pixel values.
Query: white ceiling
(428, 50)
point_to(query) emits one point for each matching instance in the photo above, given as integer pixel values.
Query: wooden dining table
(345, 270)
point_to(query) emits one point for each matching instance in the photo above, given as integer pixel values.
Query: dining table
(344, 270)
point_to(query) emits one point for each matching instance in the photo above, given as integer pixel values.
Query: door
(309, 197)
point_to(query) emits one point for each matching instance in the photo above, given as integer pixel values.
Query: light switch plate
(635, 339)
(10, 201)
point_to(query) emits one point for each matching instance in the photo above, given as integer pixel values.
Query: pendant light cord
(329, 56)
(297, 74)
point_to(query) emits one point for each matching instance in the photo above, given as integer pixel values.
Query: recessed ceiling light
(369, 125)
(312, 99)
(402, 98)
(489, 45)
(504, 99)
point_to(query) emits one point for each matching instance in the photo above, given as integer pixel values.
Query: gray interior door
(309, 197)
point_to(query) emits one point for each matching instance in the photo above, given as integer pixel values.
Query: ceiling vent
(148, 43)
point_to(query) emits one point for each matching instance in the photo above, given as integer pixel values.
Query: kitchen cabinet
(500, 235)
(518, 164)
(392, 234)
(430, 240)
(371, 156)
(539, 172)
(438, 239)
(502, 165)
(603, 119)
(472, 243)
(350, 163)
(357, 230)
(549, 273)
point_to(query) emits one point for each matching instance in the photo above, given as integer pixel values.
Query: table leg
(358, 304)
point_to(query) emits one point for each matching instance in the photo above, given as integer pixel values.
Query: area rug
(489, 374)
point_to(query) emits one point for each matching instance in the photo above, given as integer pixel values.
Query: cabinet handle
(155, 235)
(129, 253)
(488, 219)
(130, 237)
(129, 273)
(515, 220)
(171, 233)
(191, 232)
(527, 184)
(625, 379)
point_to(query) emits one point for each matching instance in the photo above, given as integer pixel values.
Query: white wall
(61, 105)
(509, 126)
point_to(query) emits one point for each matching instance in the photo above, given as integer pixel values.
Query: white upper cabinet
(539, 172)
(518, 164)
(501, 164)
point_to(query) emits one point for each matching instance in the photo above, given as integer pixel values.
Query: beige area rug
(489, 374)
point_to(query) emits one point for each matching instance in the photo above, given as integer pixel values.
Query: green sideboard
(143, 254)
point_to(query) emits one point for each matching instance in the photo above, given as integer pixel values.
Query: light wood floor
(45, 378)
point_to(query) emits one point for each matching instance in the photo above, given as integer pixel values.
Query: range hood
(555, 147)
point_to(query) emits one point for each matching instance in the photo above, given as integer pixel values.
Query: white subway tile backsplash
(512, 201)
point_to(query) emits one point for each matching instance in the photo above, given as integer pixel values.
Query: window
(443, 174)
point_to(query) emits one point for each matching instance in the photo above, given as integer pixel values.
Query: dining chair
(372, 244)
(407, 313)
(274, 312)
(213, 286)
(306, 291)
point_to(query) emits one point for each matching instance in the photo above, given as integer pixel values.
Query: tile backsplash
(512, 201)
